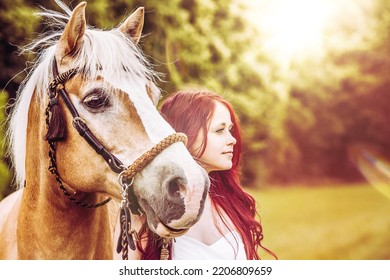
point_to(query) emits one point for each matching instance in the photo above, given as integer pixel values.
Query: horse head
(110, 85)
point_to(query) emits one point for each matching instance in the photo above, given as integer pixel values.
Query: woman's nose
(231, 141)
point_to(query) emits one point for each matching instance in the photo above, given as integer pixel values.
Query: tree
(205, 44)
(341, 103)
(18, 24)
(4, 171)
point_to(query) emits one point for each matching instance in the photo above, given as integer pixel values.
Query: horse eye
(96, 100)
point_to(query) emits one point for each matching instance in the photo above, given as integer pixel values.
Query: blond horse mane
(108, 57)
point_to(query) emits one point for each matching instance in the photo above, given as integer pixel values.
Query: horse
(86, 112)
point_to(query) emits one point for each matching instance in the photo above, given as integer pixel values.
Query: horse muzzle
(179, 208)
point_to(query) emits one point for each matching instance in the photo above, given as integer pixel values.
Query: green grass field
(325, 223)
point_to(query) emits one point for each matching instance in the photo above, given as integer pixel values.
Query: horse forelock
(113, 56)
(108, 54)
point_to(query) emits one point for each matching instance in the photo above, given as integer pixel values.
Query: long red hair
(189, 112)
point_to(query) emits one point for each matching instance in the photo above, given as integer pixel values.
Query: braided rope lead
(147, 157)
(124, 242)
(62, 78)
(164, 254)
(53, 170)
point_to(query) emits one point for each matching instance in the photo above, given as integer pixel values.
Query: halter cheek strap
(57, 86)
(126, 175)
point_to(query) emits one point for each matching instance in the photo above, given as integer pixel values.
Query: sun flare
(293, 28)
(299, 24)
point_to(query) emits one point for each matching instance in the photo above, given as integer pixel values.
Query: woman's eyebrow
(220, 124)
(223, 124)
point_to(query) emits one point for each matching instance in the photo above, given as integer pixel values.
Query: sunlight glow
(293, 28)
(299, 24)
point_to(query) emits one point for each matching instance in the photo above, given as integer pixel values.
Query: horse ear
(74, 31)
(133, 24)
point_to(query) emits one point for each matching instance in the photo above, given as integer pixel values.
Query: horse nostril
(176, 187)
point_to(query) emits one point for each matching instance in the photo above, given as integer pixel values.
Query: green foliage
(4, 171)
(18, 25)
(341, 104)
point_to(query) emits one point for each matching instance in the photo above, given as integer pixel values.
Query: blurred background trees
(309, 106)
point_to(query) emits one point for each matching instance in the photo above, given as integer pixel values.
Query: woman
(227, 228)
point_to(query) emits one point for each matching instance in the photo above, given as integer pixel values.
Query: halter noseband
(126, 174)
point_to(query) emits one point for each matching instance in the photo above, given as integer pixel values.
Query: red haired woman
(227, 228)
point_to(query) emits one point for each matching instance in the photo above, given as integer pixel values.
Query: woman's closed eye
(222, 129)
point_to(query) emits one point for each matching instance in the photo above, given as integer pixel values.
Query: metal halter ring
(122, 183)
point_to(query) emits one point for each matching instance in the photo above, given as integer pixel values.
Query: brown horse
(109, 86)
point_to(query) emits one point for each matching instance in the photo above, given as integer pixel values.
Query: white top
(228, 247)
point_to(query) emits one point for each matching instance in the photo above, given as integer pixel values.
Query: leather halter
(126, 174)
(115, 164)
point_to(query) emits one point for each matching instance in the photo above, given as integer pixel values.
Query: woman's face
(219, 147)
